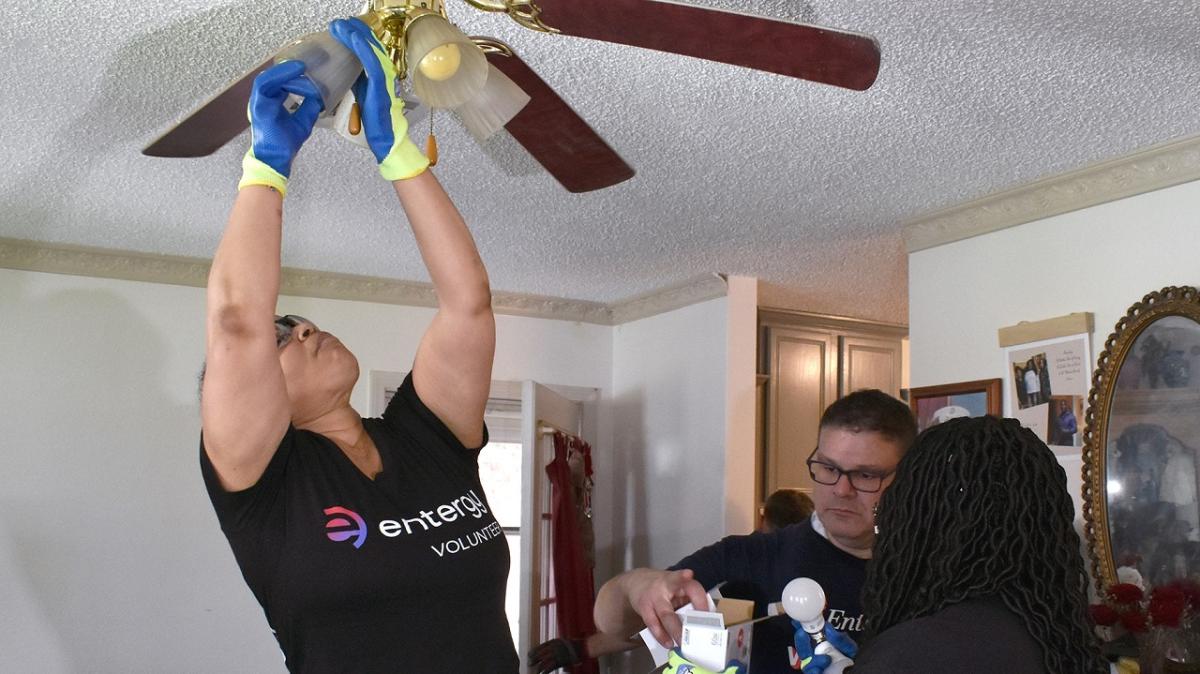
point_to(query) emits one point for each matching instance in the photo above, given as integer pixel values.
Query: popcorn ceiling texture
(799, 184)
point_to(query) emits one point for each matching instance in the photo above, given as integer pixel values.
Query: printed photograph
(1032, 381)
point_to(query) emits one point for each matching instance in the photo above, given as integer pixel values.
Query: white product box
(709, 642)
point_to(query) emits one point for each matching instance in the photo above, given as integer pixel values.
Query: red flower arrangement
(1103, 615)
(1126, 604)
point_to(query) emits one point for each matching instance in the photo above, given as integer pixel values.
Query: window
(500, 474)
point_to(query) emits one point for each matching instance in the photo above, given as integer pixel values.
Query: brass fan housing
(390, 19)
(524, 12)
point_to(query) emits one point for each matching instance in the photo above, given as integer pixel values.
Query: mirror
(1141, 513)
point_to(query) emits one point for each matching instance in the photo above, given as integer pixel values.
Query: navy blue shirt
(764, 564)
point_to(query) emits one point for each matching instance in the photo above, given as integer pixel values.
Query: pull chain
(431, 148)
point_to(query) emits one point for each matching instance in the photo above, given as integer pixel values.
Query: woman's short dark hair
(875, 411)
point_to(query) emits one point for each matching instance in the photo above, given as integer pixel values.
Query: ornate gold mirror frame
(1140, 443)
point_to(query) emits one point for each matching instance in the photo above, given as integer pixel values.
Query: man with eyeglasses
(861, 441)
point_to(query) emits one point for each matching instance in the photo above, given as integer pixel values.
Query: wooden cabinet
(869, 362)
(809, 361)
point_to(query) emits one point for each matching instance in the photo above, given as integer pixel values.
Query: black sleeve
(741, 559)
(406, 408)
(877, 666)
(889, 653)
(236, 509)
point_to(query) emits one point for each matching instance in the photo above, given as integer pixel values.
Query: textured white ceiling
(800, 184)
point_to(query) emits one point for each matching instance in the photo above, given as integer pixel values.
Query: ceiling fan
(491, 87)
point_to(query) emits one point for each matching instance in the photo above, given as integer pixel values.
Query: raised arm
(453, 367)
(244, 409)
(452, 372)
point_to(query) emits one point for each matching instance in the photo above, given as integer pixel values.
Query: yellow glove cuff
(254, 172)
(677, 663)
(404, 161)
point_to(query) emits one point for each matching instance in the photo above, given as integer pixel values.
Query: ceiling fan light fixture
(500, 101)
(329, 65)
(446, 69)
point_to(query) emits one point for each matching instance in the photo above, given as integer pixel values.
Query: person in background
(783, 508)
(1019, 384)
(1033, 384)
(861, 440)
(1065, 425)
(1039, 362)
(368, 542)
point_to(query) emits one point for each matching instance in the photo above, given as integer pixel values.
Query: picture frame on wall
(932, 405)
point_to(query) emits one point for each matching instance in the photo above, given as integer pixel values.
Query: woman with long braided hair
(977, 566)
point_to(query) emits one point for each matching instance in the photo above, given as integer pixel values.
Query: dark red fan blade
(212, 125)
(798, 50)
(557, 136)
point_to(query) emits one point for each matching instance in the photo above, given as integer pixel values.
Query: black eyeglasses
(829, 474)
(285, 326)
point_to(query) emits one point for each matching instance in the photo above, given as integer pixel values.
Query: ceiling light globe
(441, 63)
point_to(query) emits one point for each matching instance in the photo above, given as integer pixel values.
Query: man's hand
(655, 595)
(276, 134)
(382, 109)
(556, 653)
(809, 663)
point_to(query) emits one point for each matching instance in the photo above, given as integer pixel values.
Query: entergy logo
(340, 529)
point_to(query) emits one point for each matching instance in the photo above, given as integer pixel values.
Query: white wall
(1101, 259)
(111, 559)
(669, 434)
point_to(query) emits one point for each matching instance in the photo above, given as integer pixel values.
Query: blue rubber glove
(381, 108)
(276, 134)
(816, 664)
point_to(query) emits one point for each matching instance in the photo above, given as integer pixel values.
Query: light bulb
(441, 63)
(804, 602)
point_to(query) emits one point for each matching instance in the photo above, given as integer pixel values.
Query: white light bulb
(804, 602)
(441, 63)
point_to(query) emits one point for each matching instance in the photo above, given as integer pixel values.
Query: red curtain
(570, 476)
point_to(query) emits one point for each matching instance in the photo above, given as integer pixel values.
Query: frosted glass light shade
(329, 65)
(446, 69)
(500, 101)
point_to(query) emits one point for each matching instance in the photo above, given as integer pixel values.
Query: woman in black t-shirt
(343, 527)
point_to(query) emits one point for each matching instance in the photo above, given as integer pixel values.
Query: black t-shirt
(764, 564)
(403, 573)
(980, 636)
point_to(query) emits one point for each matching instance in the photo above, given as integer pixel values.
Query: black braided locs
(980, 507)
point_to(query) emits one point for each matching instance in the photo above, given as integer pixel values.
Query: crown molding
(1153, 168)
(693, 291)
(189, 271)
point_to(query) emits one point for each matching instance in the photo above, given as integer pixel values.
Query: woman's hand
(381, 108)
(276, 135)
